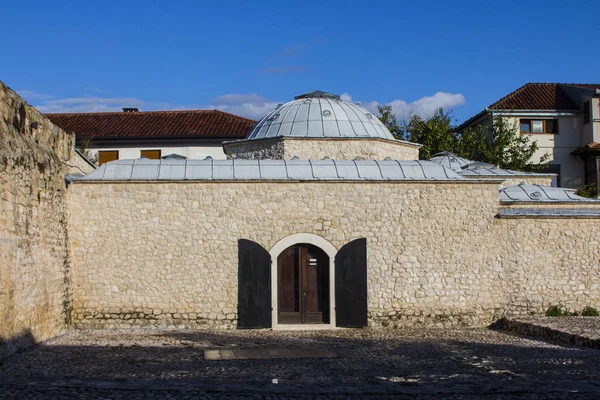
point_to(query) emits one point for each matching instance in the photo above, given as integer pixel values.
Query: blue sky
(247, 56)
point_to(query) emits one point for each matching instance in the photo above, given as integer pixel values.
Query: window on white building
(539, 126)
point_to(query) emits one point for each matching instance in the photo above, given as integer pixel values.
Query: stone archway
(318, 244)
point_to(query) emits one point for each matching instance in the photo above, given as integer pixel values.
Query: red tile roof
(591, 146)
(113, 125)
(536, 96)
(591, 86)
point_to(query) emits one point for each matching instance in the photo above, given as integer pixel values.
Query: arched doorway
(345, 272)
(303, 292)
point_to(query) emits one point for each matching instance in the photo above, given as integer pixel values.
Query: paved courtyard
(459, 363)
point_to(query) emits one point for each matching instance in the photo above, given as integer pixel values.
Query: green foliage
(555, 311)
(83, 145)
(389, 120)
(434, 133)
(588, 190)
(590, 312)
(499, 143)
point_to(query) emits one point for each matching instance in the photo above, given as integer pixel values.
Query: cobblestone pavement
(458, 363)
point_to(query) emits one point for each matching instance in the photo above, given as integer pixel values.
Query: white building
(563, 118)
(153, 134)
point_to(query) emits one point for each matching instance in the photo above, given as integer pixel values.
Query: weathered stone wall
(315, 149)
(166, 253)
(552, 261)
(256, 149)
(77, 164)
(33, 237)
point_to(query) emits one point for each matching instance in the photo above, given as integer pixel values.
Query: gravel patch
(371, 363)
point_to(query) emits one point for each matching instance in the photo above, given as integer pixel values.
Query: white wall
(595, 115)
(560, 146)
(192, 152)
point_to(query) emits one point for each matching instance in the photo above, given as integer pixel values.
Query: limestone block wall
(552, 261)
(33, 236)
(315, 149)
(166, 253)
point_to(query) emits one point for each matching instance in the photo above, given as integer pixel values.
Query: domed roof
(450, 160)
(320, 115)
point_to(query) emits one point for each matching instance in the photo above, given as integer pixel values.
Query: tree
(500, 144)
(388, 118)
(434, 133)
(84, 146)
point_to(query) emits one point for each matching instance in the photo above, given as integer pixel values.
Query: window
(586, 112)
(539, 126)
(151, 154)
(107, 156)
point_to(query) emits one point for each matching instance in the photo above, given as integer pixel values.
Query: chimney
(130, 109)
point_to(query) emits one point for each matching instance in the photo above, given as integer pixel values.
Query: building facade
(132, 134)
(282, 239)
(278, 242)
(564, 120)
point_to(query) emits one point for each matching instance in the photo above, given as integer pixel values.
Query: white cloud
(30, 95)
(250, 105)
(424, 107)
(231, 99)
(88, 104)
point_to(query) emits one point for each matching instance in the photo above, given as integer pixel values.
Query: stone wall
(166, 253)
(33, 237)
(315, 149)
(256, 149)
(79, 165)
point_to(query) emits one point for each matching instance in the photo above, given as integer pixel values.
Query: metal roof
(549, 213)
(476, 169)
(450, 160)
(319, 114)
(483, 170)
(541, 194)
(268, 170)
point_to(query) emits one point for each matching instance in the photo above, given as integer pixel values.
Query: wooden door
(351, 284)
(254, 285)
(303, 285)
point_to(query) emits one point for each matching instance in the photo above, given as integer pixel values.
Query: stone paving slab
(370, 364)
(307, 352)
(579, 331)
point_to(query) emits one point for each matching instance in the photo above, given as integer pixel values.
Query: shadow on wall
(416, 362)
(13, 345)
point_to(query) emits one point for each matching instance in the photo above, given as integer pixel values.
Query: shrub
(588, 190)
(555, 311)
(590, 312)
